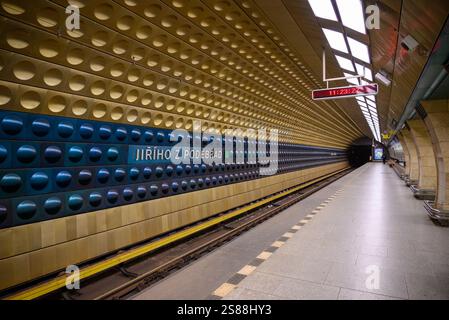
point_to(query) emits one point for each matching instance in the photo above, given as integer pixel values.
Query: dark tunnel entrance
(360, 152)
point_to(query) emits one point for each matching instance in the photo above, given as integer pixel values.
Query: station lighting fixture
(368, 74)
(323, 9)
(363, 104)
(351, 14)
(359, 50)
(354, 80)
(345, 64)
(364, 82)
(336, 40)
(371, 103)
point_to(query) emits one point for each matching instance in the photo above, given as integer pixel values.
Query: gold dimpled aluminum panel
(160, 64)
(166, 63)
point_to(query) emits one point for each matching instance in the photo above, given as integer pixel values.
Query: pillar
(406, 153)
(437, 122)
(412, 169)
(426, 158)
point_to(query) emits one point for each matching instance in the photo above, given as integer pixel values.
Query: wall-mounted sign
(166, 154)
(388, 135)
(378, 154)
(345, 92)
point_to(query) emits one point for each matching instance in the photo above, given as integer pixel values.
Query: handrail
(434, 213)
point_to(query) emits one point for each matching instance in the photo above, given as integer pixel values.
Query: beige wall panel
(426, 157)
(413, 165)
(407, 158)
(437, 122)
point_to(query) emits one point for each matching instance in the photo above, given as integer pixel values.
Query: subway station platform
(362, 237)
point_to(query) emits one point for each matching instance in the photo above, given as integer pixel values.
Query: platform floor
(363, 237)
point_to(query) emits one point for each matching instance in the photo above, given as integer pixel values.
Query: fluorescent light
(362, 70)
(345, 64)
(354, 81)
(360, 99)
(351, 12)
(368, 74)
(372, 98)
(371, 103)
(323, 9)
(359, 50)
(364, 82)
(336, 40)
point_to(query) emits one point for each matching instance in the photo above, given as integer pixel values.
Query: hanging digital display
(345, 92)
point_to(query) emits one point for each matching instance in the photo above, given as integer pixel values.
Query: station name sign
(345, 92)
(165, 154)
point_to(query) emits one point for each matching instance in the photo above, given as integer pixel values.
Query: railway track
(130, 277)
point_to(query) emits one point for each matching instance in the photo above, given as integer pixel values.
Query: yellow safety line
(60, 282)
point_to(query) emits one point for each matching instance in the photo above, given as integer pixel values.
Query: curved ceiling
(420, 19)
(231, 63)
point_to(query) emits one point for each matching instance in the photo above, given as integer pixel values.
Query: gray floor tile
(348, 294)
(390, 283)
(375, 221)
(304, 290)
(400, 264)
(262, 282)
(427, 287)
(314, 270)
(247, 294)
(379, 251)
